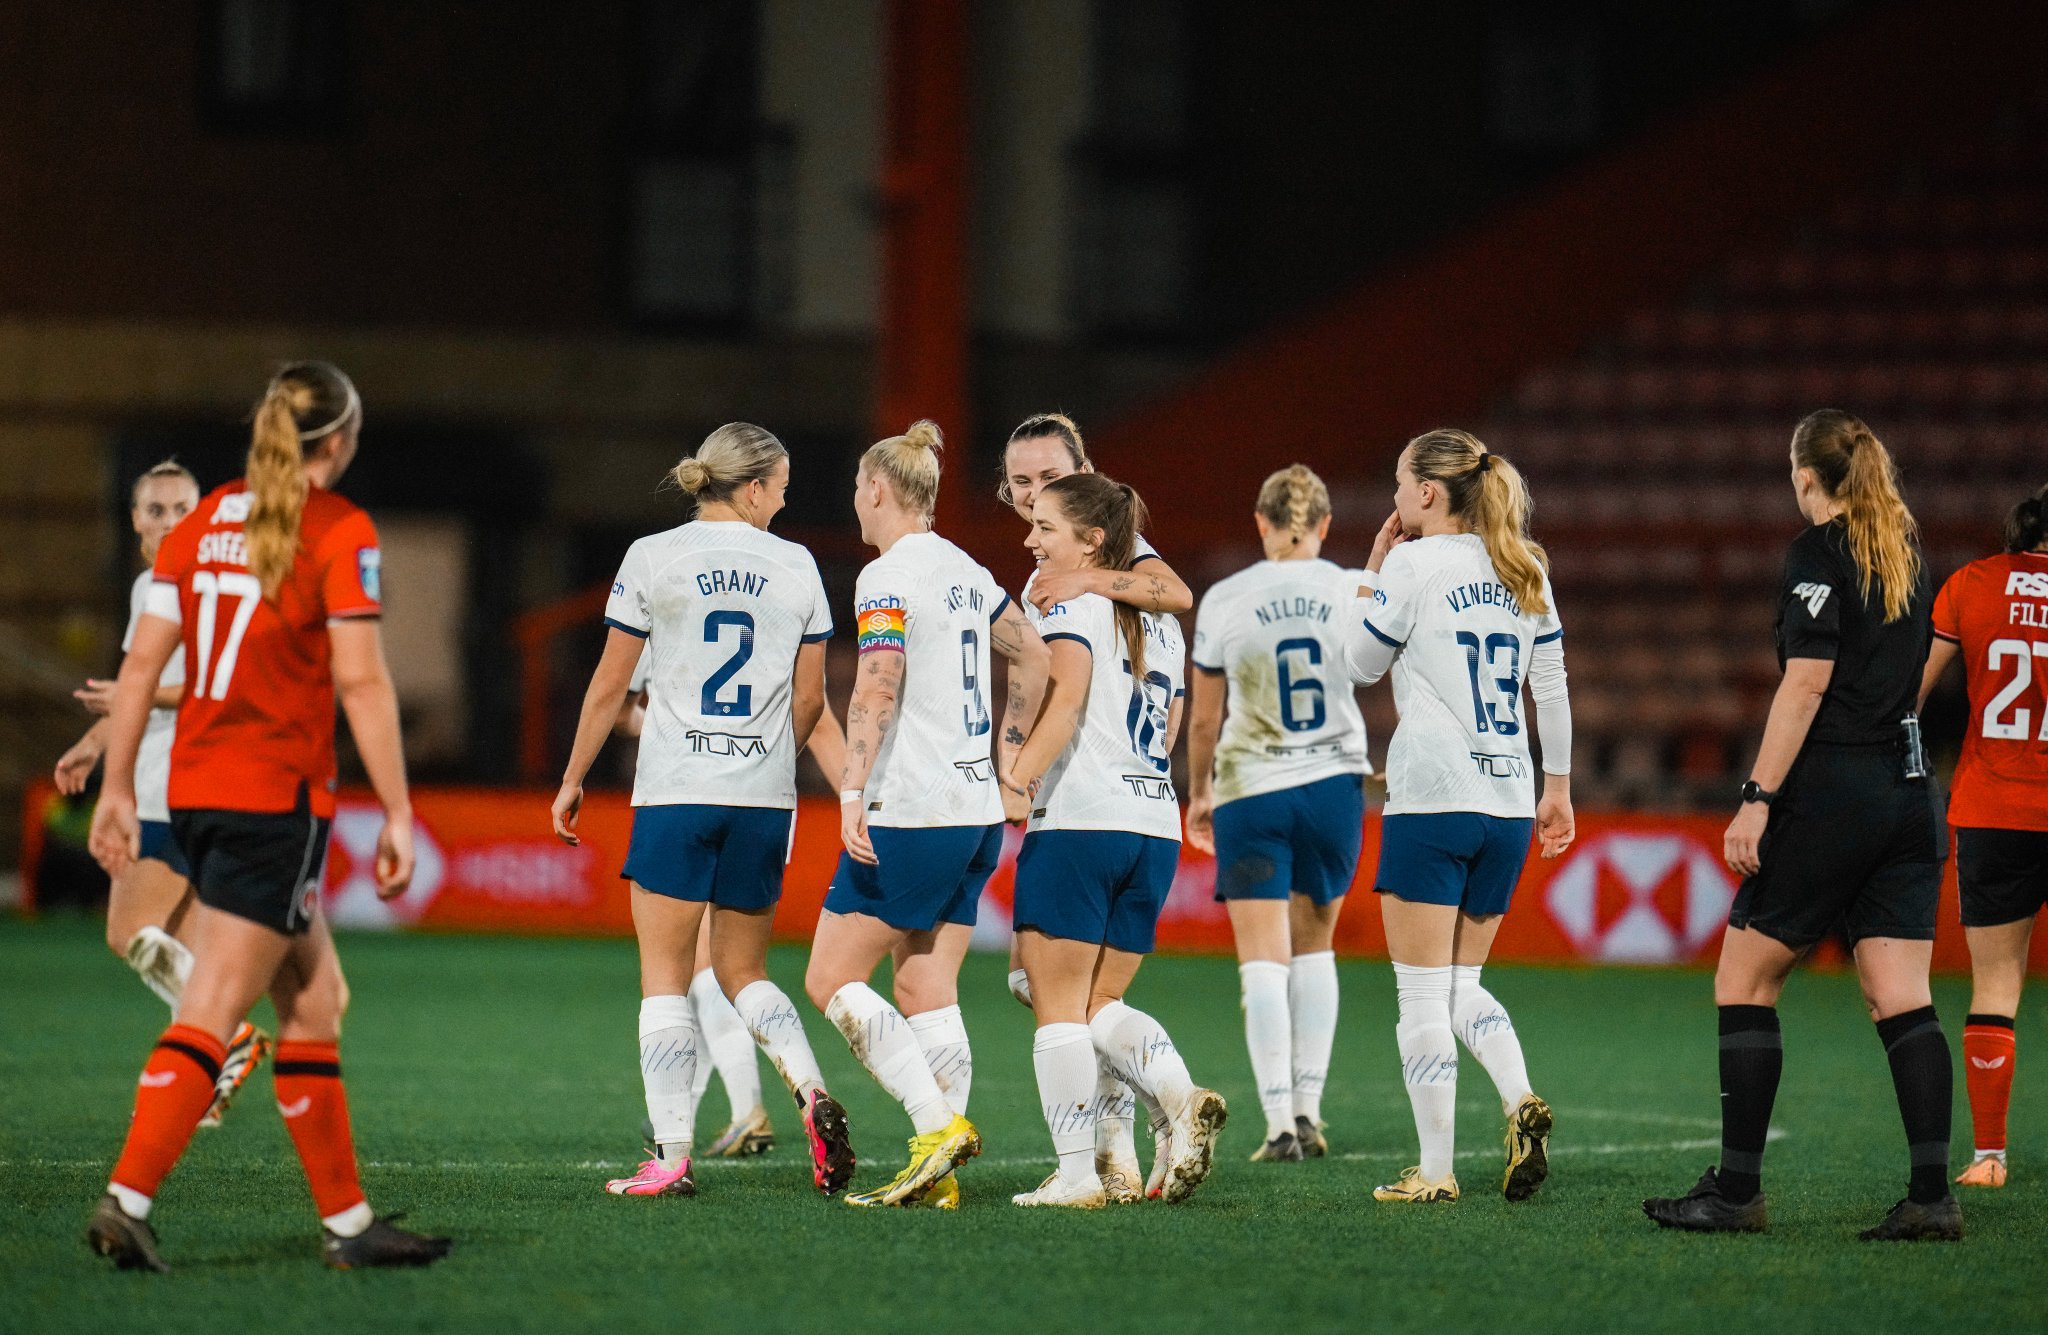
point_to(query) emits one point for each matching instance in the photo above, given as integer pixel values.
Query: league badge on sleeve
(369, 569)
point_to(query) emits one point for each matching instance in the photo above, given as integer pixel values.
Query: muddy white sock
(772, 1019)
(881, 1041)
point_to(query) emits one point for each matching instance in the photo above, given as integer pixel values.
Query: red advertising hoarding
(1647, 889)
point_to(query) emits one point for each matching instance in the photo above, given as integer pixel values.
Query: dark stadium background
(1627, 244)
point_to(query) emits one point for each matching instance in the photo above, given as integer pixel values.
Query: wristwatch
(1752, 791)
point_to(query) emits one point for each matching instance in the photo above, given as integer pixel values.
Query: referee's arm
(1792, 710)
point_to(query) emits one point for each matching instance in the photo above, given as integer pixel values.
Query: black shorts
(261, 865)
(2004, 875)
(1852, 846)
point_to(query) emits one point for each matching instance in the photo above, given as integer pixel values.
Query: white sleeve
(1379, 625)
(1066, 621)
(819, 625)
(162, 601)
(1553, 703)
(1212, 617)
(627, 608)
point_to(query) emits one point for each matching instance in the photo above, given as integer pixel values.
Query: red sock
(1989, 1053)
(315, 1108)
(174, 1093)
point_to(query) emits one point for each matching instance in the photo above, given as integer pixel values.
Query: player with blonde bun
(1277, 794)
(920, 813)
(1457, 604)
(734, 622)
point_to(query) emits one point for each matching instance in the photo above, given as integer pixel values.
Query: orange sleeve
(351, 568)
(1948, 614)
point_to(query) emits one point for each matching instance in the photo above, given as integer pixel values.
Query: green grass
(495, 1087)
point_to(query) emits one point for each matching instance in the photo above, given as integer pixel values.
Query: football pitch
(495, 1087)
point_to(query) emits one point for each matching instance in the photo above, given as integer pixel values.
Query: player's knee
(915, 996)
(821, 985)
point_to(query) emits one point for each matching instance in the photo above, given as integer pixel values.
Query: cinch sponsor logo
(2026, 584)
(724, 744)
(872, 604)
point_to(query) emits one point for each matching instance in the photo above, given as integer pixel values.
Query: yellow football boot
(1414, 1189)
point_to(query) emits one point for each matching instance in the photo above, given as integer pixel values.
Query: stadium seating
(1660, 455)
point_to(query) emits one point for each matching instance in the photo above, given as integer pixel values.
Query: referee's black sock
(1924, 1079)
(1752, 1055)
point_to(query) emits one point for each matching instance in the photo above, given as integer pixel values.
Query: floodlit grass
(495, 1087)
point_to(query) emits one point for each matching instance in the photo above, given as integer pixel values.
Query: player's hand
(97, 696)
(1741, 846)
(853, 831)
(116, 838)
(1554, 825)
(1016, 806)
(568, 805)
(1390, 536)
(74, 767)
(394, 856)
(1049, 589)
(1201, 824)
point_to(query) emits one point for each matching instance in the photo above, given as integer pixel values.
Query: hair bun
(924, 435)
(691, 475)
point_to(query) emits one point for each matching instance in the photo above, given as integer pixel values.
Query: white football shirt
(1463, 651)
(153, 761)
(724, 607)
(1277, 631)
(934, 603)
(1115, 773)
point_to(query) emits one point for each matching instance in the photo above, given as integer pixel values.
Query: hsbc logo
(1641, 898)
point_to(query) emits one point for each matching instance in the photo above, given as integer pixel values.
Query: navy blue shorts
(1304, 840)
(728, 856)
(926, 876)
(1105, 887)
(1460, 858)
(157, 843)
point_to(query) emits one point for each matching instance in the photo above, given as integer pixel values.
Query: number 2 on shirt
(2023, 653)
(211, 587)
(742, 703)
(1494, 715)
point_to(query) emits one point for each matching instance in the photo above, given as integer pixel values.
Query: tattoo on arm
(1014, 735)
(1123, 582)
(1157, 588)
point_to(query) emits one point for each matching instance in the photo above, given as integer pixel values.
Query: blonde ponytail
(1294, 500)
(730, 457)
(1488, 493)
(305, 403)
(910, 462)
(1858, 473)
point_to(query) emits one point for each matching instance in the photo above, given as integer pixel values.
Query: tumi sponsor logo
(724, 744)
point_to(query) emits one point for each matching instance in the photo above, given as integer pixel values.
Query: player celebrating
(1460, 608)
(1101, 849)
(271, 590)
(735, 622)
(149, 922)
(1839, 831)
(1994, 612)
(1044, 449)
(1280, 798)
(920, 811)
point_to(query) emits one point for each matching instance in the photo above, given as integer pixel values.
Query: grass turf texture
(495, 1087)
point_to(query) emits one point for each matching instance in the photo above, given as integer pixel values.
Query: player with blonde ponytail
(1278, 793)
(920, 811)
(733, 622)
(1456, 602)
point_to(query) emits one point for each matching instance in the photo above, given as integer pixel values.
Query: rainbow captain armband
(880, 627)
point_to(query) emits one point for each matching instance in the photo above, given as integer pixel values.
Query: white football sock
(1138, 1050)
(943, 1036)
(161, 961)
(351, 1222)
(1115, 1107)
(882, 1042)
(132, 1202)
(1489, 1035)
(1429, 1062)
(1020, 986)
(728, 1044)
(770, 1017)
(1268, 1037)
(668, 1072)
(1312, 1001)
(1064, 1059)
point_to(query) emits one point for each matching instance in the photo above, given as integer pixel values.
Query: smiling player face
(1030, 464)
(1054, 541)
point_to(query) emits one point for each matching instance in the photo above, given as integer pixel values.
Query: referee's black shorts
(1851, 845)
(264, 866)
(2003, 874)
